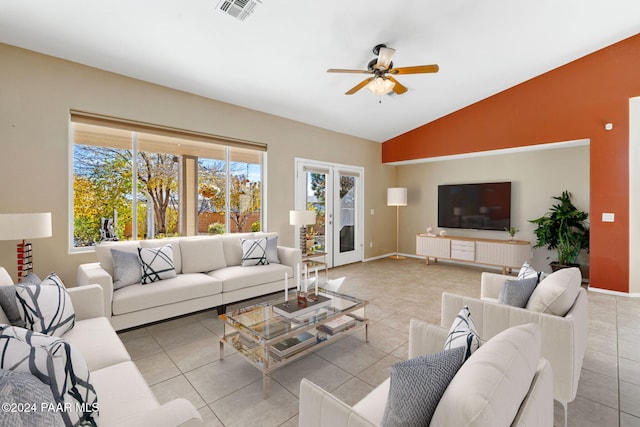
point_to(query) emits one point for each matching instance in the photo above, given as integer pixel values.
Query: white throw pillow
(202, 254)
(56, 363)
(463, 333)
(488, 389)
(557, 292)
(46, 307)
(526, 272)
(157, 264)
(254, 252)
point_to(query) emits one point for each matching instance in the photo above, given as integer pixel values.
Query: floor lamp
(397, 197)
(22, 226)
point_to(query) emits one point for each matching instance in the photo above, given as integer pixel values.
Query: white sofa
(564, 339)
(488, 390)
(209, 275)
(124, 398)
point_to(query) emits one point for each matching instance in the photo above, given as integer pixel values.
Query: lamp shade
(302, 217)
(20, 226)
(380, 85)
(397, 196)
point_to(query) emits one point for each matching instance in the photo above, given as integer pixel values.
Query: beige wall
(37, 92)
(536, 176)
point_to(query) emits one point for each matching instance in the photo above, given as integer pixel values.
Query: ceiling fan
(382, 82)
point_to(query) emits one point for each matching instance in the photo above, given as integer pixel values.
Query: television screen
(484, 206)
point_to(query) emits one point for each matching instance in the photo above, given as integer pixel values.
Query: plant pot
(555, 266)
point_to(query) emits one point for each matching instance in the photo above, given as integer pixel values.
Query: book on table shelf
(336, 325)
(293, 344)
(293, 310)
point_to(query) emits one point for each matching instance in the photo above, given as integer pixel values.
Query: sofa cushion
(46, 307)
(10, 306)
(22, 387)
(183, 287)
(202, 254)
(103, 251)
(56, 363)
(490, 386)
(5, 277)
(157, 264)
(463, 333)
(237, 277)
(123, 392)
(417, 385)
(517, 292)
(127, 268)
(254, 252)
(233, 247)
(98, 343)
(557, 292)
(175, 246)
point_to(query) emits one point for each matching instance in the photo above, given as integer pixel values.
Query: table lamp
(302, 219)
(20, 226)
(397, 197)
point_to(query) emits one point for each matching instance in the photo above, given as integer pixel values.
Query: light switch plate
(608, 217)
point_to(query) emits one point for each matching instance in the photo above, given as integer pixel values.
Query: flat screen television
(482, 206)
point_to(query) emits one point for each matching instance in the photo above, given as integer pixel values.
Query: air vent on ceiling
(239, 9)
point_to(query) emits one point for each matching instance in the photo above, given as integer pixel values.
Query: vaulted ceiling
(276, 60)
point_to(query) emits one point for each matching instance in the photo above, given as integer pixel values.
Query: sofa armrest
(425, 338)
(88, 301)
(93, 273)
(178, 412)
(289, 256)
(491, 283)
(319, 408)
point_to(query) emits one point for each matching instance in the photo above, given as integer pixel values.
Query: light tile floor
(180, 357)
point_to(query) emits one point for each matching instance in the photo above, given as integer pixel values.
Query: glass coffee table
(269, 339)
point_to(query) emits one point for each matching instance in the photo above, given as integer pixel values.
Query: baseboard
(389, 254)
(616, 293)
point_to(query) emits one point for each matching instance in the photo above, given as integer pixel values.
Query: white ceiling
(276, 60)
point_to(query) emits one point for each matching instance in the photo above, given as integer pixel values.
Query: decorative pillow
(10, 306)
(23, 387)
(463, 333)
(202, 254)
(557, 292)
(31, 279)
(46, 307)
(157, 264)
(127, 268)
(254, 252)
(489, 388)
(56, 363)
(417, 386)
(272, 250)
(526, 271)
(517, 292)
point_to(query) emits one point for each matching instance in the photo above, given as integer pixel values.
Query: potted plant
(565, 229)
(512, 233)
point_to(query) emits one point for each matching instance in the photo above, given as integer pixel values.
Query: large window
(133, 184)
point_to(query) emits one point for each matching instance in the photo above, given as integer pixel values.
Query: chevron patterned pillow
(417, 385)
(463, 333)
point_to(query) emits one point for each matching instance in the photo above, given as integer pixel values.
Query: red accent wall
(571, 102)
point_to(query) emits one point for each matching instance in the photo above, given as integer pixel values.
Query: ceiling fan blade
(398, 88)
(339, 70)
(358, 86)
(418, 69)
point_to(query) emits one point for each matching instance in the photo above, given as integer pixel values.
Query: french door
(335, 192)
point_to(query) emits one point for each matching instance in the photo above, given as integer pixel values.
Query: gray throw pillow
(21, 387)
(127, 268)
(10, 306)
(31, 279)
(517, 292)
(417, 386)
(272, 250)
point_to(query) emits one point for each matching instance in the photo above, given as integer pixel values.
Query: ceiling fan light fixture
(384, 57)
(380, 86)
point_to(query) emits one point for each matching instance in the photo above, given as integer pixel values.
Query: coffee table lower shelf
(260, 355)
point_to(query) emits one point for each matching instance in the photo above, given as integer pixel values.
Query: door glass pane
(347, 213)
(316, 200)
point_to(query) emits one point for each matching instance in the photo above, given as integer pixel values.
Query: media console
(507, 254)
